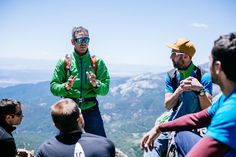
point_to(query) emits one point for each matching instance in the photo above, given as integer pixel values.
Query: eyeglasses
(19, 113)
(175, 53)
(82, 40)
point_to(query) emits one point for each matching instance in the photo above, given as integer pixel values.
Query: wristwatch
(201, 92)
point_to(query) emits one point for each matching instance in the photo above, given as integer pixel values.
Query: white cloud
(199, 25)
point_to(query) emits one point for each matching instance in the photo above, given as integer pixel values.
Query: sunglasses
(19, 113)
(174, 53)
(82, 40)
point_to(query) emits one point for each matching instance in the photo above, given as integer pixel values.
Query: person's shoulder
(50, 141)
(5, 135)
(88, 135)
(96, 138)
(206, 76)
(97, 58)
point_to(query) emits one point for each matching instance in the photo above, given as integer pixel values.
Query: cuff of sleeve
(63, 88)
(98, 84)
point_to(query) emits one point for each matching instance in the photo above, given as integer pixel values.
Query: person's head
(223, 57)
(182, 52)
(10, 112)
(80, 39)
(67, 116)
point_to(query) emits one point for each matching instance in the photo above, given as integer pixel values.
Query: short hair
(79, 29)
(8, 106)
(65, 114)
(224, 50)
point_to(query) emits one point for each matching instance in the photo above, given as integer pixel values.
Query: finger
(143, 141)
(74, 78)
(151, 146)
(147, 144)
(92, 75)
(88, 74)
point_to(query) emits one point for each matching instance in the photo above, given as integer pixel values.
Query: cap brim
(173, 47)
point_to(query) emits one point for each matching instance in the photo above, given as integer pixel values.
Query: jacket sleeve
(188, 122)
(103, 78)
(208, 147)
(58, 80)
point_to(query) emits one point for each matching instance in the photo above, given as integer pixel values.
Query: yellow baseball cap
(184, 45)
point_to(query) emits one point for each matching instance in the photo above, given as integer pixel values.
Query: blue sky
(122, 32)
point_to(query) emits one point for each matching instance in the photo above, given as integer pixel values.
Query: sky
(122, 32)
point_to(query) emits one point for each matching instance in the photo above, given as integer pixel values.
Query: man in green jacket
(82, 77)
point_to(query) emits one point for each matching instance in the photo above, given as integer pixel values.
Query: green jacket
(81, 87)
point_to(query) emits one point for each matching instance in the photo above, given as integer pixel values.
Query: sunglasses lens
(82, 40)
(86, 40)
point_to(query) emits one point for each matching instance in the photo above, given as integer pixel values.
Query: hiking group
(79, 77)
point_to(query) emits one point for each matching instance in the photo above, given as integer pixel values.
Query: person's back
(7, 143)
(72, 141)
(68, 145)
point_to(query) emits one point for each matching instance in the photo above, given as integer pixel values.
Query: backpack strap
(67, 63)
(173, 78)
(94, 62)
(199, 72)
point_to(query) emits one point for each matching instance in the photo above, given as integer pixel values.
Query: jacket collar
(77, 56)
(7, 127)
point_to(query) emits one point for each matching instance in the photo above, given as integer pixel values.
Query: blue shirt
(223, 123)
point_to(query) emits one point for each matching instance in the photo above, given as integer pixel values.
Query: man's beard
(179, 64)
(175, 65)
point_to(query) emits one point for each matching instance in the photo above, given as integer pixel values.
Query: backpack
(67, 63)
(173, 78)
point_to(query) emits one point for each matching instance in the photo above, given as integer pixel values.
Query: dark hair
(224, 50)
(8, 106)
(65, 114)
(79, 29)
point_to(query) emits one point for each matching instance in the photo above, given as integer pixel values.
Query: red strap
(67, 63)
(93, 60)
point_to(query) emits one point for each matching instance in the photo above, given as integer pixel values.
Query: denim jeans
(189, 104)
(93, 121)
(185, 140)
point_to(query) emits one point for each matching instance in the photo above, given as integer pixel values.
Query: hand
(24, 153)
(147, 141)
(92, 78)
(195, 84)
(70, 82)
(190, 84)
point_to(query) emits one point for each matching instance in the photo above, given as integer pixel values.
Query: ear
(185, 56)
(8, 118)
(81, 121)
(72, 42)
(217, 67)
